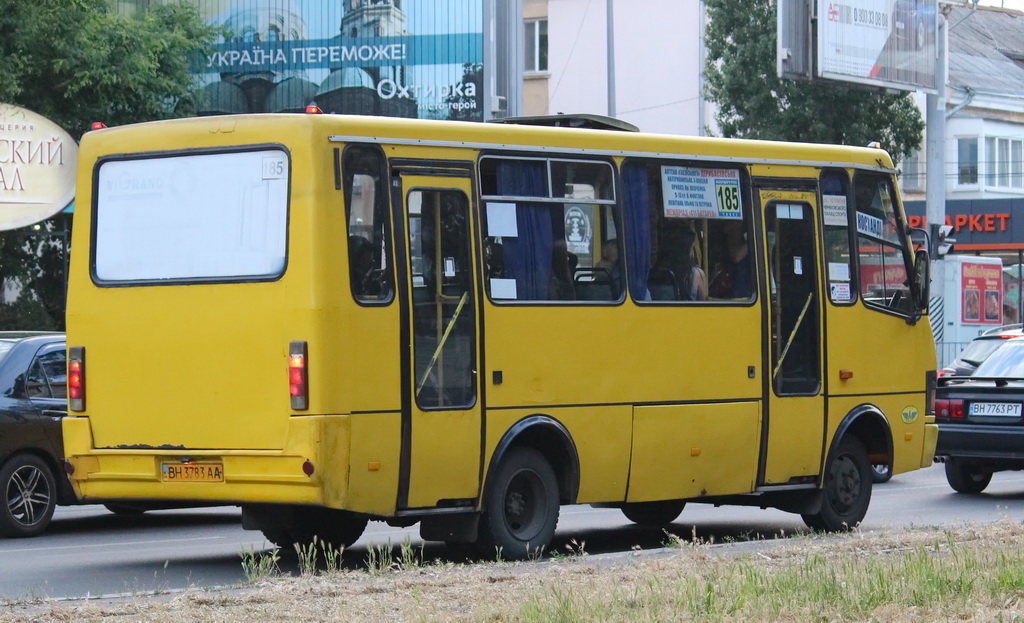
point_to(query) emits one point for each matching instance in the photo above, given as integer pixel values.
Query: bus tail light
(298, 375)
(76, 378)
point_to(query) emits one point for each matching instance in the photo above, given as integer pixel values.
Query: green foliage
(260, 566)
(78, 61)
(753, 102)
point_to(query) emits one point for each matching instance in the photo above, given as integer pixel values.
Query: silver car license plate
(998, 409)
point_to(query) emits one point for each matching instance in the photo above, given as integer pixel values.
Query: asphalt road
(91, 552)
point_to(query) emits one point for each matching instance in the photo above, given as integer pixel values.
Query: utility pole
(611, 57)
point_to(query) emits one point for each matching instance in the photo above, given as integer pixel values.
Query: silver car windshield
(5, 347)
(1007, 361)
(979, 350)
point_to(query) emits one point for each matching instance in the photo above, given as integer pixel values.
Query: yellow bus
(332, 319)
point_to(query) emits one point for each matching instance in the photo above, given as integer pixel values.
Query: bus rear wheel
(334, 528)
(653, 514)
(847, 490)
(520, 512)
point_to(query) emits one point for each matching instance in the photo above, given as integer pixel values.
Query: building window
(1004, 162)
(967, 160)
(912, 178)
(536, 45)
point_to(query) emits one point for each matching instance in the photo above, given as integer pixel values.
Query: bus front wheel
(847, 490)
(520, 511)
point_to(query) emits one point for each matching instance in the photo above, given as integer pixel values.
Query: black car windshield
(1007, 361)
(979, 350)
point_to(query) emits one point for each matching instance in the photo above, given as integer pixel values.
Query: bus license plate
(192, 472)
(1008, 409)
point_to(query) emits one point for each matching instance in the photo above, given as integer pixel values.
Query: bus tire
(520, 510)
(334, 528)
(847, 489)
(966, 478)
(653, 514)
(30, 496)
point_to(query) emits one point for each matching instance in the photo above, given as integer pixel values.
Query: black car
(980, 348)
(981, 419)
(33, 399)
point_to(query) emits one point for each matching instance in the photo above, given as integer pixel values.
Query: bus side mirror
(920, 282)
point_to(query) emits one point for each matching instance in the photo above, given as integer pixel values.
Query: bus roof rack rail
(582, 120)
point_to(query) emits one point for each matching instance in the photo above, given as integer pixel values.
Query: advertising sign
(887, 43)
(37, 167)
(701, 193)
(402, 58)
(981, 286)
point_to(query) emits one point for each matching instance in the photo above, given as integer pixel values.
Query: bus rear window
(208, 216)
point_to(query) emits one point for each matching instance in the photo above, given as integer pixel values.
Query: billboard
(37, 167)
(885, 43)
(401, 58)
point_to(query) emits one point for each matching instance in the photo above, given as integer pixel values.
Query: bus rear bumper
(931, 439)
(298, 473)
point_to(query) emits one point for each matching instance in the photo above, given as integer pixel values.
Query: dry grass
(972, 573)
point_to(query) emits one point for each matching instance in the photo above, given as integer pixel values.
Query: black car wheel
(881, 473)
(653, 514)
(966, 478)
(847, 490)
(521, 507)
(29, 494)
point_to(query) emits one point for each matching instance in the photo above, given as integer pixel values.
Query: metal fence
(946, 352)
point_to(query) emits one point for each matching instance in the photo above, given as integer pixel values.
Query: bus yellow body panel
(693, 451)
(599, 433)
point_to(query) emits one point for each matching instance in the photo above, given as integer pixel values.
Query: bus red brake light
(298, 375)
(76, 378)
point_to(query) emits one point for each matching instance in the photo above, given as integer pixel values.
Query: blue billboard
(402, 58)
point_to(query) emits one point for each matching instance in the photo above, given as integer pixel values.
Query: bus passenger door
(795, 419)
(441, 416)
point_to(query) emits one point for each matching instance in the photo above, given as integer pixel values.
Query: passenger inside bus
(563, 268)
(360, 253)
(608, 268)
(678, 265)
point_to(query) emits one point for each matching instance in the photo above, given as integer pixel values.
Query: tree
(79, 61)
(753, 102)
(75, 62)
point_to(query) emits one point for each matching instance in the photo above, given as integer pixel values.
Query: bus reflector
(298, 375)
(76, 378)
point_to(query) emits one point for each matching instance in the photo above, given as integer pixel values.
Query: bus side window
(680, 249)
(562, 247)
(881, 245)
(835, 216)
(366, 217)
